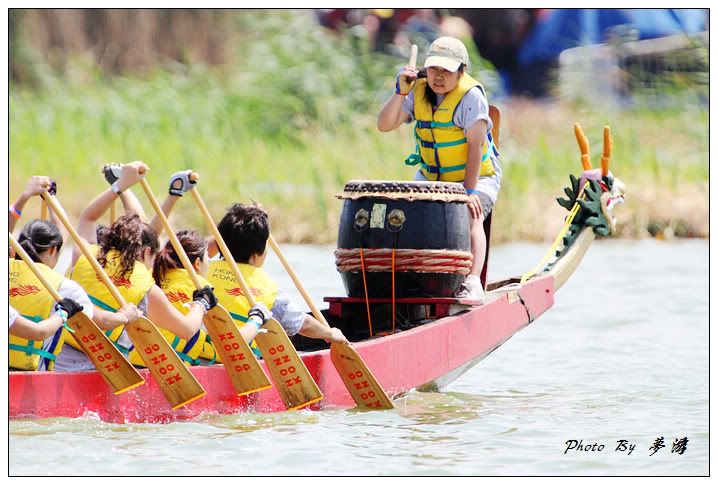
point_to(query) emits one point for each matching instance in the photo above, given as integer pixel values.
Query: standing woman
(453, 136)
(126, 252)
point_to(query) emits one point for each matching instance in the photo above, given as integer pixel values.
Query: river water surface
(623, 355)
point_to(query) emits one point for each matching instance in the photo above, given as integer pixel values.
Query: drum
(409, 239)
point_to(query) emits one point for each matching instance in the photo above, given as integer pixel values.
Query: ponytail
(39, 236)
(193, 244)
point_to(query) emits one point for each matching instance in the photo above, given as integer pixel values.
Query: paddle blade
(360, 382)
(294, 382)
(244, 370)
(108, 360)
(176, 381)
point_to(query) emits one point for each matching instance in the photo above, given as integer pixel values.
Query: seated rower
(126, 251)
(176, 283)
(245, 230)
(42, 241)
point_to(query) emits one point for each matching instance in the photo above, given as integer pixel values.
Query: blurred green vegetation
(293, 119)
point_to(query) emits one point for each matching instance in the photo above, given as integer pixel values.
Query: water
(623, 355)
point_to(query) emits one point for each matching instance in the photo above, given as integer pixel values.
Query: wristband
(62, 313)
(14, 212)
(472, 191)
(116, 187)
(199, 303)
(256, 321)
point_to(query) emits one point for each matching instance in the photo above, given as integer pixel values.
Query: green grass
(294, 119)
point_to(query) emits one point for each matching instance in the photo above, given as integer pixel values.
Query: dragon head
(597, 191)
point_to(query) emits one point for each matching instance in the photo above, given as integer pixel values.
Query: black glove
(205, 297)
(181, 183)
(70, 306)
(112, 172)
(53, 188)
(261, 312)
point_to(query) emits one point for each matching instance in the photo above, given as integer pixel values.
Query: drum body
(427, 223)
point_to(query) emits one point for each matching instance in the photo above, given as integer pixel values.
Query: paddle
(412, 57)
(239, 361)
(176, 381)
(294, 382)
(358, 379)
(108, 360)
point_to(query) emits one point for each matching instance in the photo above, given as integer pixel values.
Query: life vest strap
(30, 350)
(434, 169)
(434, 124)
(102, 304)
(434, 144)
(237, 316)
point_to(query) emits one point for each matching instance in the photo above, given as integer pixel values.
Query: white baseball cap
(448, 53)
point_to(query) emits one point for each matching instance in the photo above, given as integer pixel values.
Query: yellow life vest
(178, 287)
(230, 294)
(30, 298)
(441, 146)
(132, 289)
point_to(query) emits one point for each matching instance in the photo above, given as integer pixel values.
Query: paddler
(126, 251)
(452, 134)
(245, 230)
(42, 241)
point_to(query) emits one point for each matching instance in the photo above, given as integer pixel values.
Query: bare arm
(36, 185)
(313, 328)
(132, 204)
(391, 115)
(27, 329)
(167, 206)
(108, 320)
(87, 225)
(475, 137)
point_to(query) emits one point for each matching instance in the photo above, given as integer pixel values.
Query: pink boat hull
(430, 355)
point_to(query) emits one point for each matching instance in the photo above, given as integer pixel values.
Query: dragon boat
(386, 313)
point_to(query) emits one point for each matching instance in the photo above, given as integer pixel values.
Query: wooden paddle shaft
(315, 311)
(222, 246)
(346, 360)
(55, 206)
(171, 234)
(412, 57)
(295, 384)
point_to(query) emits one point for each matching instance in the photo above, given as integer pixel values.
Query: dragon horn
(583, 145)
(607, 150)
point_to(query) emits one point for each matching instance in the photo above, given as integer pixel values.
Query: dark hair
(129, 236)
(100, 232)
(167, 258)
(429, 93)
(245, 229)
(39, 236)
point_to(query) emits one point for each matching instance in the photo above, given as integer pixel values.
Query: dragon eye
(396, 220)
(361, 219)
